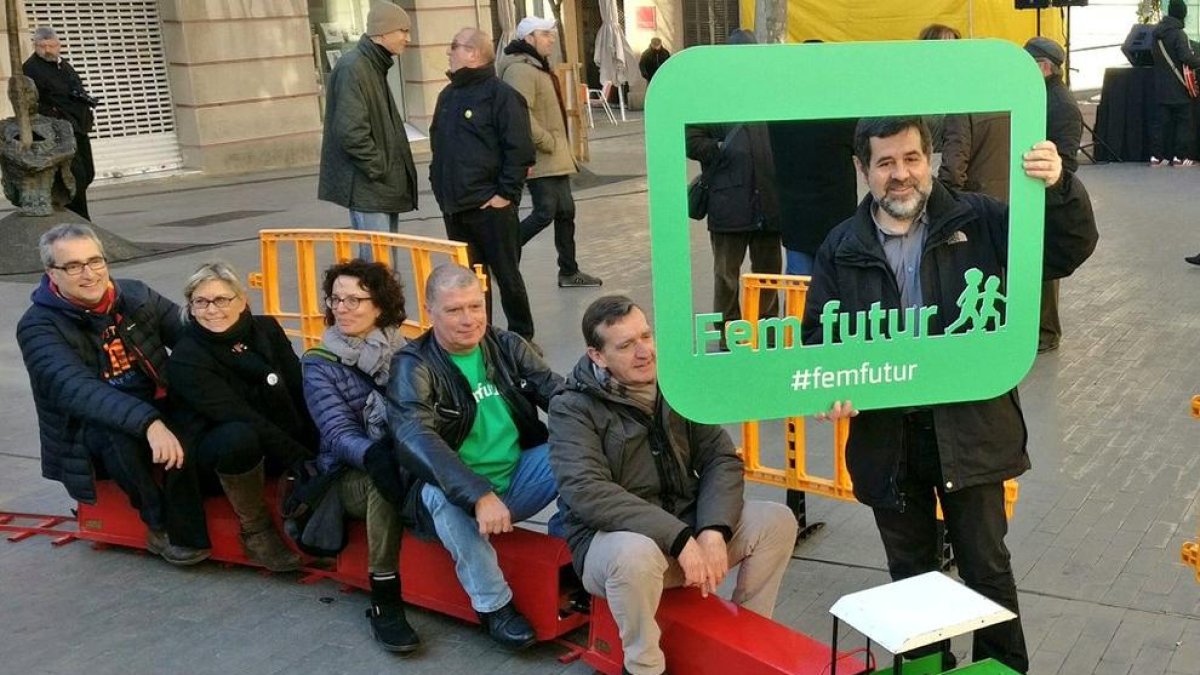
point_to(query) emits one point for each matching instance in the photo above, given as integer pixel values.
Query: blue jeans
(798, 263)
(532, 488)
(373, 222)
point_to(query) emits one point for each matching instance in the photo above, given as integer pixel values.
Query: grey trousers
(362, 500)
(630, 571)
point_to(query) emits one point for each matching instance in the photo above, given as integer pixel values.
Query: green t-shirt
(492, 448)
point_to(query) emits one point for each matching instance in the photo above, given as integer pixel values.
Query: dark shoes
(578, 280)
(159, 544)
(260, 541)
(507, 627)
(391, 629)
(1195, 259)
(1044, 347)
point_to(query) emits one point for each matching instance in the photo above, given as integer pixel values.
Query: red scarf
(103, 307)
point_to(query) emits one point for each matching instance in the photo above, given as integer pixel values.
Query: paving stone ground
(1095, 539)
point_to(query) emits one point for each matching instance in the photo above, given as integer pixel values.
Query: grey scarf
(642, 396)
(372, 355)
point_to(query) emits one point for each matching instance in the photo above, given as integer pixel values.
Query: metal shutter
(708, 22)
(117, 47)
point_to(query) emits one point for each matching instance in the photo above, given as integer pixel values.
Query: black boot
(388, 623)
(507, 627)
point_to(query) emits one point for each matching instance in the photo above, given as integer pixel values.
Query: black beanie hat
(1177, 9)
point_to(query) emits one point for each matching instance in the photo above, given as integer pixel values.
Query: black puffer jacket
(979, 441)
(615, 473)
(1168, 90)
(60, 344)
(366, 162)
(481, 141)
(211, 388)
(431, 410)
(740, 174)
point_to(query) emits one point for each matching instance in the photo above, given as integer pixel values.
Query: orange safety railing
(795, 475)
(312, 251)
(1190, 553)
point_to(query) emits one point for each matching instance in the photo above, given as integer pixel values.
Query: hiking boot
(578, 280)
(507, 627)
(391, 629)
(260, 541)
(1195, 259)
(158, 543)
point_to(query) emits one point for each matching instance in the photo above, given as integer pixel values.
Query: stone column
(243, 82)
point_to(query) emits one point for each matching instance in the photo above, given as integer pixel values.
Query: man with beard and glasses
(909, 245)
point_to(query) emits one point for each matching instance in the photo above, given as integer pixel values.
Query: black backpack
(303, 490)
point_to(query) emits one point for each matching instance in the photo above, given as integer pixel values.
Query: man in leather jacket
(650, 499)
(463, 406)
(909, 245)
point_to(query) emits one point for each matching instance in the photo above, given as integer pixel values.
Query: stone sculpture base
(19, 251)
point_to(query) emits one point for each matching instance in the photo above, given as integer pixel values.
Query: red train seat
(712, 635)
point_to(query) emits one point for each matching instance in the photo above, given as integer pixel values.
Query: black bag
(303, 491)
(697, 195)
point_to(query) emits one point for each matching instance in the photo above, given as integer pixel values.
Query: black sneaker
(578, 280)
(1195, 259)
(508, 628)
(391, 629)
(158, 543)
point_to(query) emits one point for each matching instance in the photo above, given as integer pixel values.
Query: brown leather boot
(260, 541)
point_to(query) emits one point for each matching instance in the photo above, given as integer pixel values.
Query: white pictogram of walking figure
(978, 306)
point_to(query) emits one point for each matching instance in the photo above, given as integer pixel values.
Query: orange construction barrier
(1190, 553)
(794, 477)
(312, 251)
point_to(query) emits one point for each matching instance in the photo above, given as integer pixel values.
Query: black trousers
(84, 171)
(1171, 131)
(975, 526)
(553, 202)
(176, 506)
(729, 250)
(231, 448)
(493, 240)
(1050, 326)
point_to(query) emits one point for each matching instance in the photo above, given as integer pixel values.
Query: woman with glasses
(236, 382)
(344, 383)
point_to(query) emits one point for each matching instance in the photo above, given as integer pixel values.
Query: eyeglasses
(74, 269)
(350, 301)
(221, 302)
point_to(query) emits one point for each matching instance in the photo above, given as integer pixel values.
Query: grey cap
(1045, 48)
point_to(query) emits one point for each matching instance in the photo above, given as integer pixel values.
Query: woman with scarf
(236, 384)
(344, 384)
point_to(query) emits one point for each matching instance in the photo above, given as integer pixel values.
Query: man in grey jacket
(651, 500)
(366, 164)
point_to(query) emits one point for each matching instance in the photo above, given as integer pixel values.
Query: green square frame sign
(762, 83)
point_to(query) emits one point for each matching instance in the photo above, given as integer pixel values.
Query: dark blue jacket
(61, 346)
(336, 397)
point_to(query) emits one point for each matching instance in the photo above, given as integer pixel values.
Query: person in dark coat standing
(653, 58)
(1064, 128)
(96, 352)
(366, 163)
(1171, 132)
(61, 94)
(482, 150)
(238, 391)
(738, 165)
(815, 194)
(908, 245)
(650, 499)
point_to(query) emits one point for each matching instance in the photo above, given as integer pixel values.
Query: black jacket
(818, 187)
(740, 174)
(979, 441)
(366, 162)
(61, 346)
(1064, 122)
(208, 390)
(60, 92)
(431, 410)
(1167, 87)
(618, 468)
(481, 142)
(652, 59)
